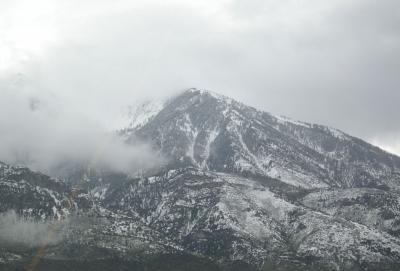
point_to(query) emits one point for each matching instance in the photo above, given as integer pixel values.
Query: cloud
(337, 58)
(40, 130)
(16, 230)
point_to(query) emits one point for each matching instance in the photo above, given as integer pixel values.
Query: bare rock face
(241, 190)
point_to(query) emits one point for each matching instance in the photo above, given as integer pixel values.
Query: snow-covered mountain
(241, 190)
(213, 132)
(32, 193)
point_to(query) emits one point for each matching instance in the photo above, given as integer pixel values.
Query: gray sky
(334, 62)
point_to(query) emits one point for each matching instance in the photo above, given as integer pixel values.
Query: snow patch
(140, 114)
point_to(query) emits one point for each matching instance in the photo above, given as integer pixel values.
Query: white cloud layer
(18, 230)
(45, 133)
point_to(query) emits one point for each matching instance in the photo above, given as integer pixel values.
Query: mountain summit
(241, 190)
(213, 132)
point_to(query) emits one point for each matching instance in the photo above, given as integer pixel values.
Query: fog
(16, 230)
(44, 132)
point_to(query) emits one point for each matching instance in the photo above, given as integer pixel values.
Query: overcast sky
(333, 62)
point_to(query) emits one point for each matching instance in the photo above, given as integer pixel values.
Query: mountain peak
(210, 131)
(208, 93)
(139, 114)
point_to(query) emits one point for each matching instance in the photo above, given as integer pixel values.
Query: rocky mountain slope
(241, 190)
(216, 133)
(32, 193)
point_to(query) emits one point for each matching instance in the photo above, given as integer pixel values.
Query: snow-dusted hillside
(230, 218)
(32, 193)
(213, 132)
(241, 188)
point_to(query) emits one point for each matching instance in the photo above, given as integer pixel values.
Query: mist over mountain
(212, 135)
(237, 189)
(46, 134)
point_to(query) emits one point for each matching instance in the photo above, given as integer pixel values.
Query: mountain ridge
(240, 187)
(228, 116)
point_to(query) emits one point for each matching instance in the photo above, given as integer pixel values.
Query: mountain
(32, 193)
(241, 190)
(213, 132)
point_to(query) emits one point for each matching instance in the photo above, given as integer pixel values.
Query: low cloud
(17, 230)
(43, 132)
